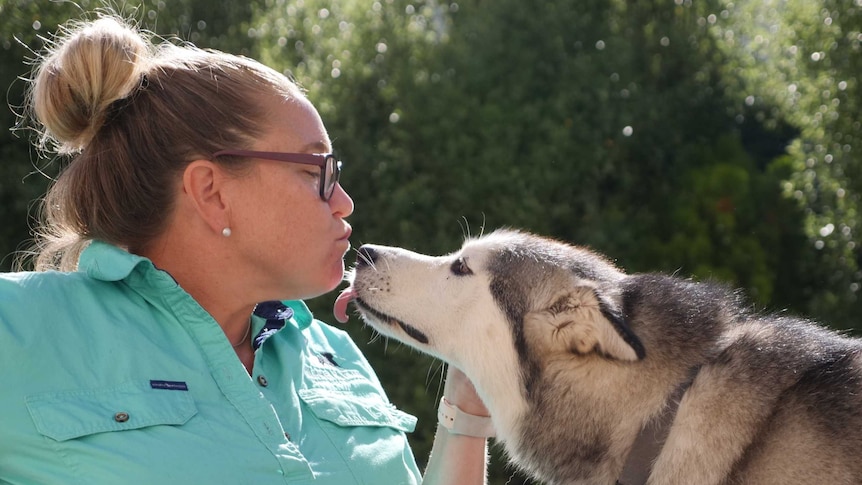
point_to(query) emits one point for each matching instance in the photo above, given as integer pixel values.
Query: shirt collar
(106, 262)
(293, 310)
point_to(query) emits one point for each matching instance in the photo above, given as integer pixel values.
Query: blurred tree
(20, 181)
(797, 63)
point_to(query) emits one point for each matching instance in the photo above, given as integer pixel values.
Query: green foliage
(798, 64)
(20, 184)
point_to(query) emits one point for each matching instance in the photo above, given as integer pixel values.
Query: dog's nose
(365, 256)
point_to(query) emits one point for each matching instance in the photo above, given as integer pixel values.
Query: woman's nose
(341, 202)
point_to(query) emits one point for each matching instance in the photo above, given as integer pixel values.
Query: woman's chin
(332, 282)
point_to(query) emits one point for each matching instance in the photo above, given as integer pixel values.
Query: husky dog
(575, 359)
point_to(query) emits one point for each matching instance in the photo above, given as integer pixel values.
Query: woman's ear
(203, 185)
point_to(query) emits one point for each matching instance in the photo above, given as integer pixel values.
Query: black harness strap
(650, 441)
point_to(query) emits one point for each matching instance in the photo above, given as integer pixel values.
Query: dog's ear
(580, 320)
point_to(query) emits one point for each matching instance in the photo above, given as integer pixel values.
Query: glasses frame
(318, 159)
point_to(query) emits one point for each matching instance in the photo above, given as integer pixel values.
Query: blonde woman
(162, 338)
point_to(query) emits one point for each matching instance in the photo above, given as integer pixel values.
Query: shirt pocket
(365, 435)
(346, 409)
(69, 415)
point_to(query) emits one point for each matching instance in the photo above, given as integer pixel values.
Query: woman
(201, 204)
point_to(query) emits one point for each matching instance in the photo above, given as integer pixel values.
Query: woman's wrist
(458, 458)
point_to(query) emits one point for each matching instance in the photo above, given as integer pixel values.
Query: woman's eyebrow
(316, 147)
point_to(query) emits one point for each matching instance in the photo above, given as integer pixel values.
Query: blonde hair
(132, 114)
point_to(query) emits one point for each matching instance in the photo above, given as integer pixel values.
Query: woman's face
(292, 241)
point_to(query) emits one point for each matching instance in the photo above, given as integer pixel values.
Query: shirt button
(287, 435)
(121, 417)
(262, 381)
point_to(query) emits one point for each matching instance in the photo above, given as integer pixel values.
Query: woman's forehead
(294, 125)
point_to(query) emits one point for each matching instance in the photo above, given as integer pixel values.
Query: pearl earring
(226, 232)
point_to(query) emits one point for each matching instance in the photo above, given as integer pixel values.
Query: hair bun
(90, 67)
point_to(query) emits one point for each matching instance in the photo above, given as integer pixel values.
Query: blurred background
(715, 139)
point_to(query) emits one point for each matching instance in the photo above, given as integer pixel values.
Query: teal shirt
(115, 375)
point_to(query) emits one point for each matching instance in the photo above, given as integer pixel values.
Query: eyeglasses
(330, 167)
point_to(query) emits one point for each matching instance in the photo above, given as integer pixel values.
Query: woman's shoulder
(330, 340)
(26, 281)
(31, 293)
(322, 330)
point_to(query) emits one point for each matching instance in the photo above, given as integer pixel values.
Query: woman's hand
(458, 459)
(459, 391)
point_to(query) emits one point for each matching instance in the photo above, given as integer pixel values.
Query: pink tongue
(340, 307)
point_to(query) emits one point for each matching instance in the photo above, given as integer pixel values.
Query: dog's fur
(573, 358)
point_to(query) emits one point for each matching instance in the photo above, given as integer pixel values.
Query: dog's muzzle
(366, 257)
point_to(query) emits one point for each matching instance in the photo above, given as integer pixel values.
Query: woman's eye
(460, 268)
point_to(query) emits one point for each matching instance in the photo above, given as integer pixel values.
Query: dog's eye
(460, 268)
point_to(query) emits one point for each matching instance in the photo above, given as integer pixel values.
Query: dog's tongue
(340, 307)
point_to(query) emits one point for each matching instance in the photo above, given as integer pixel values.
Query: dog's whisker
(365, 259)
(440, 381)
(465, 228)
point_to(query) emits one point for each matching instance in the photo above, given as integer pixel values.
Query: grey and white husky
(575, 359)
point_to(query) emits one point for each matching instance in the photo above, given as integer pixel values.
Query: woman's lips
(347, 232)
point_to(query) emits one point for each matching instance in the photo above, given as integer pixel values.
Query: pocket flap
(346, 409)
(71, 414)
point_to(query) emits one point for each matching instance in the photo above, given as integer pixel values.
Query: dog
(576, 361)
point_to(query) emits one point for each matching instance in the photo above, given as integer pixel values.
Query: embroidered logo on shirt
(169, 385)
(276, 314)
(327, 358)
